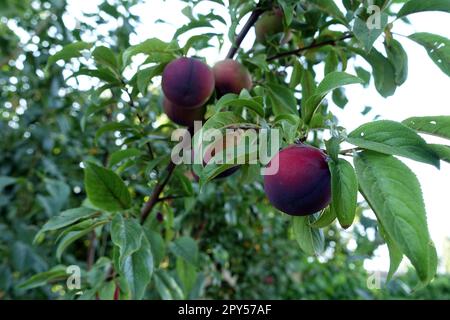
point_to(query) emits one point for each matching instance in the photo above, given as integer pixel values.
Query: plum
(187, 82)
(302, 185)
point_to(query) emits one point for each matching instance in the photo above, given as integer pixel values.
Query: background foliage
(223, 242)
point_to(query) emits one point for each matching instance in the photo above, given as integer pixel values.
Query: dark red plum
(188, 82)
(231, 77)
(183, 116)
(302, 185)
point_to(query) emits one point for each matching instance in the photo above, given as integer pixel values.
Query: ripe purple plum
(302, 185)
(183, 116)
(187, 82)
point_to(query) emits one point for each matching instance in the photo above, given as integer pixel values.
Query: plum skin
(270, 23)
(183, 116)
(302, 185)
(187, 82)
(231, 77)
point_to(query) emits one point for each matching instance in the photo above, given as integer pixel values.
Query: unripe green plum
(187, 82)
(302, 185)
(231, 77)
(270, 23)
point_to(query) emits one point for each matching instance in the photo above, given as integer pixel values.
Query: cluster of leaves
(102, 152)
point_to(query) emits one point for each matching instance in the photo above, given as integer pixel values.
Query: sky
(425, 93)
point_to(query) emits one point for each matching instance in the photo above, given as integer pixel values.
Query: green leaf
(41, 279)
(339, 97)
(438, 126)
(311, 240)
(157, 51)
(104, 56)
(414, 6)
(289, 124)
(393, 138)
(442, 151)
(101, 73)
(331, 62)
(186, 248)
(105, 189)
(393, 192)
(157, 245)
(282, 99)
(382, 69)
(199, 41)
(364, 75)
(167, 287)
(121, 155)
(233, 100)
(331, 81)
(331, 8)
(72, 236)
(296, 76)
(395, 254)
(367, 36)
(70, 51)
(344, 190)
(6, 181)
(127, 235)
(137, 269)
(325, 219)
(145, 76)
(399, 60)
(187, 274)
(308, 84)
(66, 218)
(438, 48)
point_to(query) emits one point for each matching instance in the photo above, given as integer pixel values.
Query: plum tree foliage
(90, 169)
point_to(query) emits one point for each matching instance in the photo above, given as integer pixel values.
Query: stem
(91, 251)
(154, 198)
(312, 46)
(240, 37)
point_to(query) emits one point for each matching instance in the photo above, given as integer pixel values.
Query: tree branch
(312, 46)
(240, 37)
(154, 198)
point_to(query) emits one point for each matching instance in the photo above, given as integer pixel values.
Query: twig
(312, 46)
(169, 198)
(154, 198)
(91, 250)
(240, 37)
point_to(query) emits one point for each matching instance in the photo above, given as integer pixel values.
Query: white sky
(426, 92)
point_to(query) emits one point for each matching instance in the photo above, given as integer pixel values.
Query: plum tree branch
(240, 37)
(312, 46)
(154, 198)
